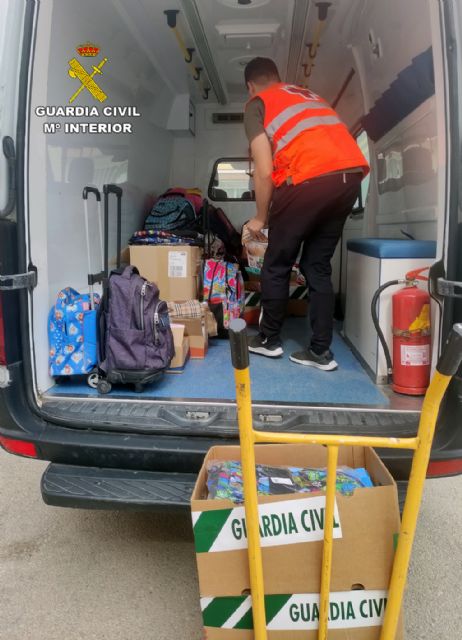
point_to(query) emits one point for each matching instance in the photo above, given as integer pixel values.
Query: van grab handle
(9, 153)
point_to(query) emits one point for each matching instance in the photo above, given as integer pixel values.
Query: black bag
(218, 224)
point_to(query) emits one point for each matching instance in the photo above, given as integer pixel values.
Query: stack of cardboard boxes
(366, 526)
(177, 271)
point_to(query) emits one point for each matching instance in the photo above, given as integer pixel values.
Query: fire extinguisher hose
(375, 320)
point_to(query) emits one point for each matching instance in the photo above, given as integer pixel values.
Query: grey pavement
(97, 575)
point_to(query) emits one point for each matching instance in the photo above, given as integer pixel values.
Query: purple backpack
(136, 341)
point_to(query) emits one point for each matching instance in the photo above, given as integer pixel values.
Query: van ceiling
(228, 33)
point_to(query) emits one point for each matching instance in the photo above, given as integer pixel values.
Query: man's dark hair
(261, 71)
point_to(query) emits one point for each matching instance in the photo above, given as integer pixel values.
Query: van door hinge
(19, 280)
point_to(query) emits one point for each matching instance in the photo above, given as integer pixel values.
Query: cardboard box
(175, 269)
(211, 324)
(125, 255)
(252, 316)
(178, 333)
(366, 525)
(181, 357)
(196, 330)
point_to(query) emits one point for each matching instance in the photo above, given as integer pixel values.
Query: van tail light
(19, 447)
(444, 468)
(2, 336)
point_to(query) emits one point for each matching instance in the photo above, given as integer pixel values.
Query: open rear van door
(16, 275)
(449, 288)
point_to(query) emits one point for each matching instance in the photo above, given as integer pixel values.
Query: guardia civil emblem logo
(77, 71)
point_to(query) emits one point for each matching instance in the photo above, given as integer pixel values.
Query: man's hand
(254, 227)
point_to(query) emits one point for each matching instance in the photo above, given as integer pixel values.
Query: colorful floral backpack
(224, 292)
(72, 334)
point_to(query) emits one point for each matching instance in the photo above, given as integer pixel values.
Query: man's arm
(263, 168)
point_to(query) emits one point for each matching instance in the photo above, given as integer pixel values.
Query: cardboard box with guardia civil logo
(291, 529)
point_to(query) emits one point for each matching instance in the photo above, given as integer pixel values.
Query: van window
(231, 180)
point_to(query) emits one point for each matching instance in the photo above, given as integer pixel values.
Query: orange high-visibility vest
(308, 138)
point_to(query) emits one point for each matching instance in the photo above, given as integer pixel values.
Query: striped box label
(297, 612)
(283, 522)
(298, 293)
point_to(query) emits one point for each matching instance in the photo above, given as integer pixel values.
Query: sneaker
(261, 345)
(325, 361)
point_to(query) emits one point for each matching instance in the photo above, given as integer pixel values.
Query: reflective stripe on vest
(290, 112)
(302, 125)
(304, 143)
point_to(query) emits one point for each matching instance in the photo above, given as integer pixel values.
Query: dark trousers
(313, 214)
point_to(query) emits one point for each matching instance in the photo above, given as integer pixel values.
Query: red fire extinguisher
(410, 369)
(411, 337)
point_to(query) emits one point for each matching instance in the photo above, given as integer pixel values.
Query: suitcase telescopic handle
(93, 278)
(94, 190)
(112, 188)
(117, 191)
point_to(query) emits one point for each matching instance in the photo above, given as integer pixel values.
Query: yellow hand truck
(421, 444)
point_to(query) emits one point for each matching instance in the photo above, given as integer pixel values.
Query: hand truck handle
(451, 356)
(238, 343)
(93, 190)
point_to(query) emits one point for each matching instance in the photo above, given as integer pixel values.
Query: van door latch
(449, 288)
(19, 281)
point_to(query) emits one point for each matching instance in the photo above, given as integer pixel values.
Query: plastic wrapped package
(224, 480)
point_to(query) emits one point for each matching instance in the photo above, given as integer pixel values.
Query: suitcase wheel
(104, 386)
(93, 379)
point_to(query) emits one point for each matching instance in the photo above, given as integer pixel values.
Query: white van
(164, 108)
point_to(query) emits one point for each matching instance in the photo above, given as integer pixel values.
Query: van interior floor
(273, 380)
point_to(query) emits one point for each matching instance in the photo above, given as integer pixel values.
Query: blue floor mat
(278, 380)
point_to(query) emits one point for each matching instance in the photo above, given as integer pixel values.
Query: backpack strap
(126, 272)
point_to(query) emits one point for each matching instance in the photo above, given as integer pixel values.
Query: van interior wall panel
(389, 35)
(194, 157)
(407, 177)
(62, 164)
(405, 194)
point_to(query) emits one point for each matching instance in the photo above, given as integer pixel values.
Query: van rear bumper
(93, 488)
(171, 454)
(181, 451)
